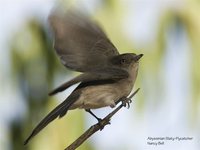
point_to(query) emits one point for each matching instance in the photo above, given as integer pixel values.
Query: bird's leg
(99, 119)
(89, 111)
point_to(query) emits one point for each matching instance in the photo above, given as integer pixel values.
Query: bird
(106, 75)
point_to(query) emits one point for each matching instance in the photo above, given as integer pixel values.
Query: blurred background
(167, 32)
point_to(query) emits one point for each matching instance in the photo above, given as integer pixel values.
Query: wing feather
(81, 43)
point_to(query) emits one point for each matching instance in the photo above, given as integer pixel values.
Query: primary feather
(80, 43)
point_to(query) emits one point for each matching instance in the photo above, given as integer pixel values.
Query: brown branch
(98, 126)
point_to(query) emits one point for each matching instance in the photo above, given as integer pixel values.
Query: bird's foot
(126, 102)
(103, 122)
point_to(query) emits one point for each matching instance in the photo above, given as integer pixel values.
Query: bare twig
(98, 126)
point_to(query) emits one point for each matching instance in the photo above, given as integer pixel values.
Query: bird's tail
(59, 111)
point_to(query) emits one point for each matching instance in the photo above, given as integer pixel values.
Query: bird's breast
(98, 96)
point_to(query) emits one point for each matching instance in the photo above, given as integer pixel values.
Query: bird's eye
(123, 61)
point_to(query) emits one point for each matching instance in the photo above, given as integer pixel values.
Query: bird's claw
(99, 120)
(102, 124)
(126, 102)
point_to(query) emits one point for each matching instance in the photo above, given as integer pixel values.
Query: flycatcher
(107, 76)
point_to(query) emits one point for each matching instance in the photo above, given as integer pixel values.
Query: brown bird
(107, 76)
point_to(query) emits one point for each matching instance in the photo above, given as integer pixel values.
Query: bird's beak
(137, 57)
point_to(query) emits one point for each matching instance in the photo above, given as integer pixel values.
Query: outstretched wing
(80, 43)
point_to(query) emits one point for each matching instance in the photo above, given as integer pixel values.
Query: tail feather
(55, 113)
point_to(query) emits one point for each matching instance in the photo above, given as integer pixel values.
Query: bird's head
(126, 61)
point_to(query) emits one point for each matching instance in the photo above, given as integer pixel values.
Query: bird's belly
(93, 97)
